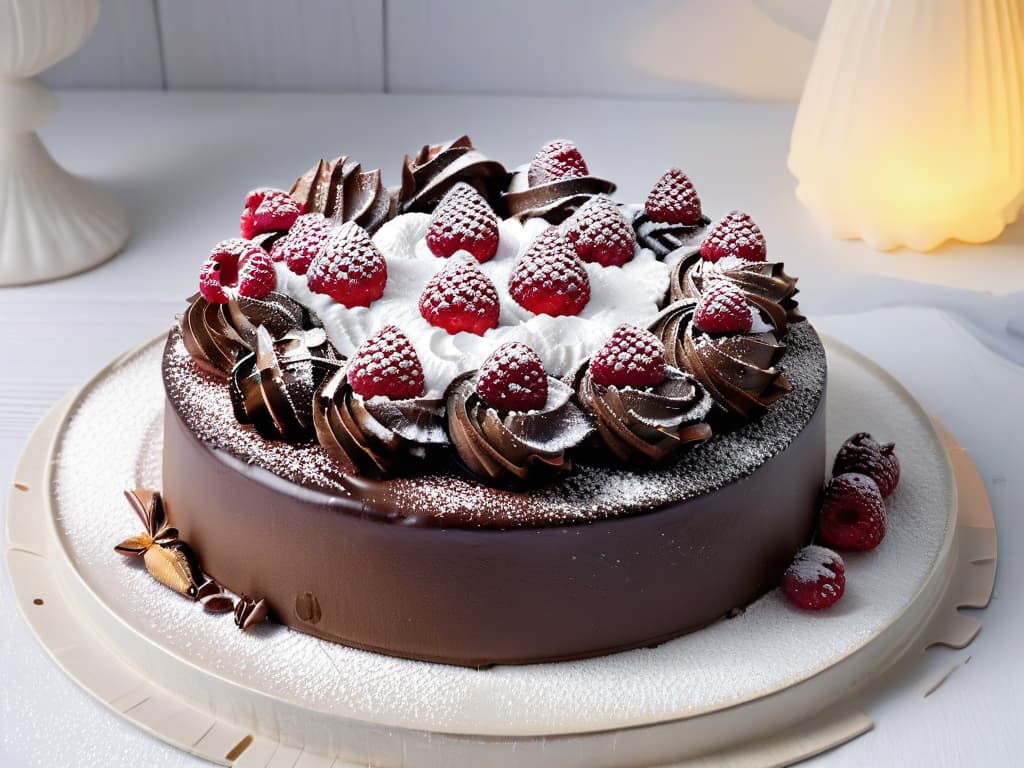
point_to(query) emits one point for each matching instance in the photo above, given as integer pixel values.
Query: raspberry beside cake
(492, 418)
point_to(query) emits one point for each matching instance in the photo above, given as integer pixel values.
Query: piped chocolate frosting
(663, 238)
(764, 283)
(376, 436)
(216, 334)
(738, 370)
(518, 446)
(342, 191)
(554, 201)
(272, 387)
(647, 426)
(428, 175)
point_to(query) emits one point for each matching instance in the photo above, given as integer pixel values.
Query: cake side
(446, 496)
(484, 418)
(335, 568)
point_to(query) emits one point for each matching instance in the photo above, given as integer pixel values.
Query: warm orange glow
(911, 128)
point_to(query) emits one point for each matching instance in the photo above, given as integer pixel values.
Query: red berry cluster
(852, 517)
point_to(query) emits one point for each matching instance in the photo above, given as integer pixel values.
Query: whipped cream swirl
(629, 294)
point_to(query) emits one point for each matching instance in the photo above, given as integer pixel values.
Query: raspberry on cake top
(424, 291)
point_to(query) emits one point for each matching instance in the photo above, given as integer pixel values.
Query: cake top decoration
(483, 312)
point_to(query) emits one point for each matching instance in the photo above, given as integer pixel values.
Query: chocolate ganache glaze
(216, 334)
(340, 190)
(647, 425)
(428, 176)
(739, 370)
(440, 567)
(764, 283)
(554, 201)
(519, 445)
(377, 436)
(663, 238)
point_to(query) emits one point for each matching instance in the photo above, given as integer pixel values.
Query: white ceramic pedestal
(51, 222)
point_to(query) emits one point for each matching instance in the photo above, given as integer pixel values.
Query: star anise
(168, 559)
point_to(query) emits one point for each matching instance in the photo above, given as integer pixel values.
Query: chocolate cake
(487, 417)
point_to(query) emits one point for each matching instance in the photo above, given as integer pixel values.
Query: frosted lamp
(910, 131)
(51, 223)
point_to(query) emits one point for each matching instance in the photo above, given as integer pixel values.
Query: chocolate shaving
(210, 588)
(249, 612)
(149, 506)
(218, 604)
(173, 566)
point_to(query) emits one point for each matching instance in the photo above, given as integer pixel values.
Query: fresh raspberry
(303, 242)
(600, 233)
(463, 221)
(237, 265)
(860, 453)
(513, 379)
(557, 160)
(673, 200)
(816, 578)
(723, 309)
(350, 269)
(386, 365)
(735, 234)
(549, 278)
(460, 298)
(632, 357)
(268, 210)
(852, 513)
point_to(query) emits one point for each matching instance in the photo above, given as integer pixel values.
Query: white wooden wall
(757, 49)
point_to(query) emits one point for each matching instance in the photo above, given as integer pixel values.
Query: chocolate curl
(340, 190)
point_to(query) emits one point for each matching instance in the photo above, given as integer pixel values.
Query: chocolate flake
(249, 612)
(218, 604)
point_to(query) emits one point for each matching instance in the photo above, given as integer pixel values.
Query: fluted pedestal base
(52, 223)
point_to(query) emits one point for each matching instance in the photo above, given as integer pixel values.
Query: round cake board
(640, 708)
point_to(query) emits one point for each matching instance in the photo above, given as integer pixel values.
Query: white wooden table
(950, 325)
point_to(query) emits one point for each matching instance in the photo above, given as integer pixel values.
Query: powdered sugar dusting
(627, 294)
(770, 646)
(812, 563)
(207, 395)
(592, 492)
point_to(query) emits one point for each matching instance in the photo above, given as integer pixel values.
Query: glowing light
(910, 131)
